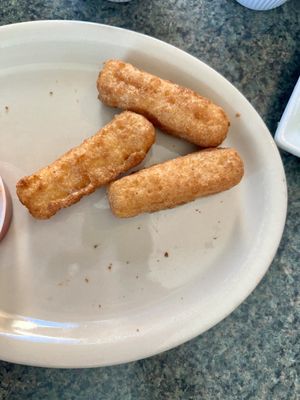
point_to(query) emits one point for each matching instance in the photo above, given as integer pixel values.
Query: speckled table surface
(255, 352)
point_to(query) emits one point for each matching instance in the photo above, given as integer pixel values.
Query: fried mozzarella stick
(175, 182)
(173, 108)
(117, 147)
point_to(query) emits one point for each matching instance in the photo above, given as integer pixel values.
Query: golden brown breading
(175, 182)
(173, 108)
(117, 147)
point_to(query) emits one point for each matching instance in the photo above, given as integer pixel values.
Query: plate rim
(22, 345)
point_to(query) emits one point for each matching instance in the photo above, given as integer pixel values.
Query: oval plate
(85, 288)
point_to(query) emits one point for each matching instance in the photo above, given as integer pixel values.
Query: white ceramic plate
(88, 289)
(287, 135)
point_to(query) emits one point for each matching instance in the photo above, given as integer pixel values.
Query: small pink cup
(5, 209)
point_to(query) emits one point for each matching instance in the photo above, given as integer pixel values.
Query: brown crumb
(166, 254)
(63, 283)
(221, 201)
(136, 277)
(237, 115)
(95, 246)
(86, 280)
(6, 108)
(51, 93)
(127, 262)
(99, 306)
(110, 266)
(137, 330)
(139, 227)
(219, 222)
(181, 298)
(157, 260)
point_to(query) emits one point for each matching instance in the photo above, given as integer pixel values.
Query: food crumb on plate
(95, 246)
(86, 280)
(110, 266)
(51, 93)
(6, 108)
(237, 115)
(166, 254)
(137, 329)
(63, 283)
